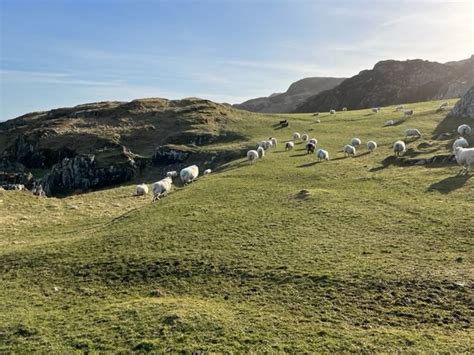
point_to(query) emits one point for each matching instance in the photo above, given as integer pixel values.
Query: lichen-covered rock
(167, 155)
(465, 106)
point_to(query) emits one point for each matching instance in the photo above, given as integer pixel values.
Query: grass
(367, 259)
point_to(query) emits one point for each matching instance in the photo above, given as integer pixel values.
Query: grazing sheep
(296, 136)
(141, 190)
(355, 142)
(316, 114)
(310, 147)
(371, 146)
(389, 123)
(375, 109)
(399, 108)
(172, 174)
(304, 137)
(332, 112)
(289, 146)
(189, 174)
(207, 172)
(349, 150)
(313, 140)
(465, 158)
(252, 156)
(318, 121)
(409, 113)
(344, 109)
(267, 145)
(460, 142)
(162, 187)
(284, 124)
(261, 152)
(399, 147)
(322, 154)
(412, 132)
(274, 141)
(464, 130)
(38, 191)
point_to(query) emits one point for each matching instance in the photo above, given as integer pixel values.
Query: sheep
(284, 125)
(344, 109)
(283, 122)
(38, 191)
(465, 158)
(261, 152)
(318, 121)
(332, 112)
(375, 109)
(399, 108)
(296, 136)
(389, 123)
(371, 146)
(349, 150)
(207, 172)
(141, 190)
(412, 132)
(289, 146)
(464, 130)
(304, 137)
(355, 142)
(274, 141)
(172, 174)
(189, 174)
(399, 147)
(409, 113)
(313, 140)
(252, 156)
(322, 154)
(162, 187)
(267, 145)
(444, 104)
(460, 142)
(310, 148)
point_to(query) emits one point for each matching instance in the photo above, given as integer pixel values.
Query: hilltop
(393, 82)
(288, 101)
(367, 254)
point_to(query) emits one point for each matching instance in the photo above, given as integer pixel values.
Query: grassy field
(284, 255)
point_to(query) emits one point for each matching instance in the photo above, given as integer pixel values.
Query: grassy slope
(370, 260)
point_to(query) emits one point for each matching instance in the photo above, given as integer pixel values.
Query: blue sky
(57, 53)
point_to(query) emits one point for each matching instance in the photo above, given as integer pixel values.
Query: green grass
(368, 260)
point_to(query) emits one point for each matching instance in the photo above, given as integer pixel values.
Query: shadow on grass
(300, 155)
(449, 184)
(307, 165)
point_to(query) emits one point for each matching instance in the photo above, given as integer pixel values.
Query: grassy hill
(284, 255)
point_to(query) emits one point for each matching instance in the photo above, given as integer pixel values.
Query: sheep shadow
(300, 155)
(449, 184)
(307, 165)
(391, 160)
(361, 155)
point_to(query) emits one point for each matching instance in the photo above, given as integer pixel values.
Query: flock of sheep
(463, 154)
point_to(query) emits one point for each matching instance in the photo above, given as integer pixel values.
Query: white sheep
(189, 174)
(161, 188)
(322, 154)
(332, 112)
(412, 132)
(464, 130)
(141, 190)
(261, 152)
(355, 142)
(296, 136)
(375, 109)
(313, 140)
(289, 146)
(262, 144)
(172, 174)
(318, 121)
(207, 172)
(409, 113)
(465, 158)
(304, 137)
(274, 141)
(389, 123)
(371, 146)
(349, 150)
(268, 145)
(460, 142)
(344, 109)
(399, 147)
(252, 156)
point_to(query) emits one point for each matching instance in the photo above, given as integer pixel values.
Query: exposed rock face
(393, 82)
(296, 94)
(465, 106)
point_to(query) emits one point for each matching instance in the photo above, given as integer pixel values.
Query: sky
(57, 53)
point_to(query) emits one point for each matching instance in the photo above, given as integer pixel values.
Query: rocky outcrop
(393, 82)
(465, 106)
(288, 101)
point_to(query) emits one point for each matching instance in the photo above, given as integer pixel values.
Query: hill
(106, 143)
(393, 82)
(288, 101)
(366, 254)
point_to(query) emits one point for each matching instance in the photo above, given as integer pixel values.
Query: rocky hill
(465, 106)
(288, 101)
(396, 82)
(105, 143)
